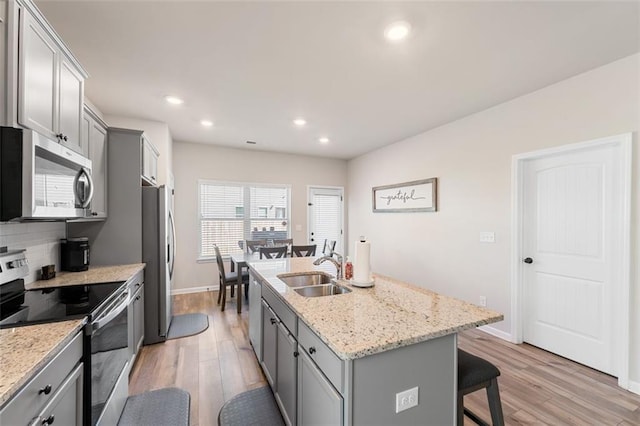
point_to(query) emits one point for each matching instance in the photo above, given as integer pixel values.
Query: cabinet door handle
(273, 320)
(49, 420)
(295, 354)
(59, 135)
(45, 390)
(138, 298)
(64, 137)
(312, 350)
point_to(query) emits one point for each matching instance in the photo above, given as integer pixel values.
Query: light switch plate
(487, 237)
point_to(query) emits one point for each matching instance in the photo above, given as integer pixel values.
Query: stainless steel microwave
(41, 179)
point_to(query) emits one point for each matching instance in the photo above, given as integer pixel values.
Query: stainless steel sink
(322, 290)
(305, 279)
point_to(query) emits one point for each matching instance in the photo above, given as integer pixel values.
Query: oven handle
(111, 312)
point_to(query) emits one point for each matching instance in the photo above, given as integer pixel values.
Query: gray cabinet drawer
(65, 407)
(27, 403)
(327, 361)
(286, 315)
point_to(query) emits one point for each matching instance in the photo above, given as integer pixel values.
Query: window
(232, 212)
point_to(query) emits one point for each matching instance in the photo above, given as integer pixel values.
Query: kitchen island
(351, 354)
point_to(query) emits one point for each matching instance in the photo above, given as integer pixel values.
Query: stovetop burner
(22, 307)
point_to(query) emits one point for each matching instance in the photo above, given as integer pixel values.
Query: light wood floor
(536, 387)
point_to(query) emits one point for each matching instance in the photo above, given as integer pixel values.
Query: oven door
(109, 355)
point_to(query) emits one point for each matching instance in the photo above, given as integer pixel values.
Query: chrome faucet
(337, 263)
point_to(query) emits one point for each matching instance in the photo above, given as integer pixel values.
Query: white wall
(158, 134)
(472, 159)
(197, 161)
(40, 239)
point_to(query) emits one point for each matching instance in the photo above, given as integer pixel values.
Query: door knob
(528, 260)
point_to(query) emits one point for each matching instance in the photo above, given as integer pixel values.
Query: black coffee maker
(74, 254)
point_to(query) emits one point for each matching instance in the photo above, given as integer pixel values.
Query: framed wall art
(415, 196)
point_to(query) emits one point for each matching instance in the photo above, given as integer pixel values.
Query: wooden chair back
(329, 247)
(253, 246)
(273, 252)
(303, 251)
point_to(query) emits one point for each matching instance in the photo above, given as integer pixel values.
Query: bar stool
(475, 373)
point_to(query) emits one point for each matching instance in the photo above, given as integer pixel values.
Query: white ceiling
(252, 67)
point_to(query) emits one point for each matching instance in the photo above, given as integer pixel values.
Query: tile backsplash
(40, 239)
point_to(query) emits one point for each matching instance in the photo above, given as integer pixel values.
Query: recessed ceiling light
(299, 122)
(173, 100)
(397, 31)
(206, 123)
(323, 139)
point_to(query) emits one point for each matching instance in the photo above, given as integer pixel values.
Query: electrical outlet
(483, 300)
(487, 237)
(406, 399)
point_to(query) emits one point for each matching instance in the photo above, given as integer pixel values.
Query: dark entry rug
(187, 325)
(256, 407)
(168, 406)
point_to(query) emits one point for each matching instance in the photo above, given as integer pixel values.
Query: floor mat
(187, 325)
(251, 408)
(168, 406)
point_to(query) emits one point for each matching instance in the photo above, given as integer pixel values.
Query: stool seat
(475, 373)
(473, 370)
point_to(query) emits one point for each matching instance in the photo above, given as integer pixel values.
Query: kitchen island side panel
(429, 365)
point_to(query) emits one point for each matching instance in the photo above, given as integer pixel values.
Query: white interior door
(326, 217)
(571, 245)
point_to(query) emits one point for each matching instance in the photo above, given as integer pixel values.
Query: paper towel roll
(361, 262)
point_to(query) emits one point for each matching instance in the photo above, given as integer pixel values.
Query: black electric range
(106, 343)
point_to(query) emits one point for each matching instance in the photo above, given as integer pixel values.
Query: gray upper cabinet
(149, 163)
(70, 101)
(44, 81)
(94, 142)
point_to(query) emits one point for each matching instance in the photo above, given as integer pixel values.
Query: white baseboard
(193, 290)
(495, 332)
(634, 387)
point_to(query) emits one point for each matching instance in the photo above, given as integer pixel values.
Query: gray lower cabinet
(314, 386)
(255, 314)
(286, 373)
(54, 394)
(65, 407)
(318, 402)
(136, 317)
(269, 356)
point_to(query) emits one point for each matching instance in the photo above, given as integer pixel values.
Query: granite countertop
(94, 275)
(25, 350)
(366, 321)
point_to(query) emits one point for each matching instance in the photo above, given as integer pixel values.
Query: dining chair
(253, 246)
(329, 247)
(227, 278)
(273, 252)
(303, 251)
(285, 242)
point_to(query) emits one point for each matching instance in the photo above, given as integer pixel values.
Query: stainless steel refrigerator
(158, 251)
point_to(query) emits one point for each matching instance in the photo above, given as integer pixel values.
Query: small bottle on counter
(348, 269)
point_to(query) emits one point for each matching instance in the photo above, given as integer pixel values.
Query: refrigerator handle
(171, 247)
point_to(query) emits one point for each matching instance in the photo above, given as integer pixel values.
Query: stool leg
(219, 292)
(460, 410)
(495, 406)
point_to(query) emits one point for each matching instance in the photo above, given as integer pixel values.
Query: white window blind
(327, 220)
(231, 213)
